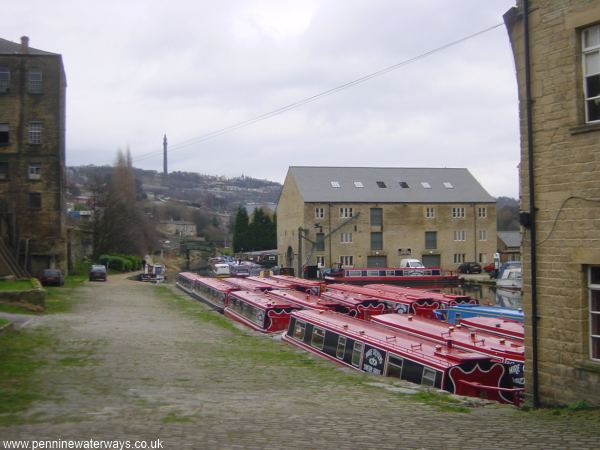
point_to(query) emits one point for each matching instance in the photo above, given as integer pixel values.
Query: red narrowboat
(211, 291)
(301, 284)
(259, 310)
(273, 282)
(380, 350)
(244, 284)
(305, 300)
(400, 303)
(355, 304)
(495, 325)
(509, 351)
(414, 276)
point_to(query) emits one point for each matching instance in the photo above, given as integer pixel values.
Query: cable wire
(313, 98)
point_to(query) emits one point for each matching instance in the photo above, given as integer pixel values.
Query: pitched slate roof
(13, 48)
(510, 238)
(388, 185)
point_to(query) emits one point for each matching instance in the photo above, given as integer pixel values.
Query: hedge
(121, 263)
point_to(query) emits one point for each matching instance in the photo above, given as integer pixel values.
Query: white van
(413, 263)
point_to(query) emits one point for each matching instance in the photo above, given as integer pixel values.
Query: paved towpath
(145, 366)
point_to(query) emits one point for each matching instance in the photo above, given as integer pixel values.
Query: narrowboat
(414, 276)
(400, 303)
(259, 311)
(355, 304)
(509, 351)
(244, 284)
(301, 284)
(212, 291)
(306, 300)
(379, 350)
(500, 327)
(456, 313)
(273, 282)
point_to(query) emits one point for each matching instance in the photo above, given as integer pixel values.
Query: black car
(98, 272)
(51, 277)
(469, 267)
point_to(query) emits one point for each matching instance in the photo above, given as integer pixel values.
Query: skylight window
(359, 184)
(381, 184)
(425, 185)
(448, 185)
(335, 184)
(403, 184)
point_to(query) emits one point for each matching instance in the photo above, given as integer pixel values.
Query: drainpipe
(532, 209)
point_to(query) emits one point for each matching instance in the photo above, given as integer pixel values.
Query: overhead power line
(299, 103)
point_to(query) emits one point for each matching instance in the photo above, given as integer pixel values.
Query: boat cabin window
(341, 347)
(299, 330)
(428, 377)
(357, 353)
(394, 368)
(318, 338)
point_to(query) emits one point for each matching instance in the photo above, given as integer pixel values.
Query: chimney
(25, 44)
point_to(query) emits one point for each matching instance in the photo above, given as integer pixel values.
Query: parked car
(51, 277)
(469, 267)
(98, 272)
(489, 268)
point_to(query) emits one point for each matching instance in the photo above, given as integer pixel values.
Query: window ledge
(590, 366)
(587, 128)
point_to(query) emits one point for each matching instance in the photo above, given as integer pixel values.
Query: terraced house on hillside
(374, 217)
(556, 44)
(32, 158)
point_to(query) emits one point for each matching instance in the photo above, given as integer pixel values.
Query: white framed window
(319, 213)
(341, 347)
(459, 258)
(346, 238)
(347, 261)
(35, 171)
(357, 353)
(428, 377)
(35, 81)
(4, 79)
(320, 261)
(482, 212)
(35, 132)
(430, 212)
(460, 235)
(448, 185)
(458, 212)
(594, 289)
(318, 338)
(590, 41)
(345, 213)
(425, 185)
(359, 184)
(299, 330)
(335, 184)
(483, 235)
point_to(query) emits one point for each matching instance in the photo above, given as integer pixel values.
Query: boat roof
(208, 281)
(350, 298)
(457, 334)
(372, 293)
(438, 296)
(262, 300)
(245, 284)
(274, 282)
(437, 355)
(489, 309)
(296, 280)
(388, 185)
(496, 325)
(303, 299)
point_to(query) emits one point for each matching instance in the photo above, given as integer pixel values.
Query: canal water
(488, 295)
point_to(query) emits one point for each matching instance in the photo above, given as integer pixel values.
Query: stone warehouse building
(556, 44)
(32, 155)
(374, 217)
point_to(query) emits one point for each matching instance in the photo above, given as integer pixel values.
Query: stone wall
(33, 299)
(566, 163)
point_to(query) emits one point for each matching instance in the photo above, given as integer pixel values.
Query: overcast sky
(139, 69)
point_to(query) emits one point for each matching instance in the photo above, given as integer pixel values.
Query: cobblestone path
(150, 366)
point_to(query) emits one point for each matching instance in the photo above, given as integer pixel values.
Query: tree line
(260, 233)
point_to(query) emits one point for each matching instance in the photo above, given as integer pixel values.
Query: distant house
(177, 228)
(560, 192)
(32, 156)
(374, 217)
(509, 245)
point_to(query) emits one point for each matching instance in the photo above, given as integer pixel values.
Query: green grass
(174, 417)
(3, 322)
(22, 353)
(15, 285)
(443, 402)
